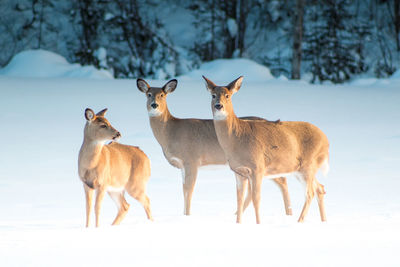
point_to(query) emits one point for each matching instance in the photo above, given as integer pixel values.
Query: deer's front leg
(89, 197)
(99, 198)
(189, 175)
(241, 184)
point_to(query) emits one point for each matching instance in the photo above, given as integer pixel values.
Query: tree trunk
(297, 39)
(87, 32)
(212, 48)
(229, 7)
(40, 25)
(397, 22)
(243, 11)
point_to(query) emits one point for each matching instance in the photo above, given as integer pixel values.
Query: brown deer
(113, 168)
(260, 148)
(189, 143)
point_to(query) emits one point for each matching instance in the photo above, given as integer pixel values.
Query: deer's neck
(90, 154)
(228, 129)
(160, 126)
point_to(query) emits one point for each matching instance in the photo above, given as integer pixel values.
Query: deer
(259, 148)
(113, 168)
(189, 144)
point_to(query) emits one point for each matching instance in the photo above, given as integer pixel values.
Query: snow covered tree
(331, 46)
(393, 13)
(223, 24)
(139, 45)
(90, 14)
(341, 38)
(35, 24)
(207, 19)
(271, 22)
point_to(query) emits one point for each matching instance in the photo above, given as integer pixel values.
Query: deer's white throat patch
(220, 115)
(154, 112)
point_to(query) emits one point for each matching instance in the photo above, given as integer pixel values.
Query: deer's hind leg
(311, 185)
(121, 204)
(142, 198)
(320, 197)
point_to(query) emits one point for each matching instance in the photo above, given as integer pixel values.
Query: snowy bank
(46, 64)
(223, 70)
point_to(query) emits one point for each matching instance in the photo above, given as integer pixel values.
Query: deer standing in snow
(259, 148)
(189, 143)
(113, 168)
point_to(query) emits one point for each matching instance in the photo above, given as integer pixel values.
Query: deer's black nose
(218, 106)
(117, 135)
(154, 105)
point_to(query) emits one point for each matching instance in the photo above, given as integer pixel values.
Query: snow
(109, 16)
(222, 70)
(46, 64)
(42, 210)
(232, 27)
(395, 75)
(101, 55)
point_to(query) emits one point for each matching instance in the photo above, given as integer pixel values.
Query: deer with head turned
(259, 148)
(189, 143)
(113, 168)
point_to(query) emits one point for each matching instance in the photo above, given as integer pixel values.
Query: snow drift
(46, 64)
(223, 70)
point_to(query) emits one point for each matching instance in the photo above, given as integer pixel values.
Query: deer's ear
(101, 113)
(142, 85)
(235, 85)
(170, 86)
(89, 114)
(209, 84)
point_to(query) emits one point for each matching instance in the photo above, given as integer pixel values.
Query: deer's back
(299, 137)
(279, 147)
(196, 140)
(127, 162)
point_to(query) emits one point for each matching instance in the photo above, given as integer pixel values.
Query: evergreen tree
(91, 13)
(272, 26)
(138, 45)
(223, 24)
(208, 19)
(333, 42)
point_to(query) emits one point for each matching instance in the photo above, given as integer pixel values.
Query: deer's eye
(103, 126)
(213, 96)
(149, 94)
(162, 95)
(227, 96)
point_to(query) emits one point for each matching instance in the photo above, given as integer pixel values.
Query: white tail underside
(325, 167)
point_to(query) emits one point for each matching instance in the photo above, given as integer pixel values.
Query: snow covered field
(42, 208)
